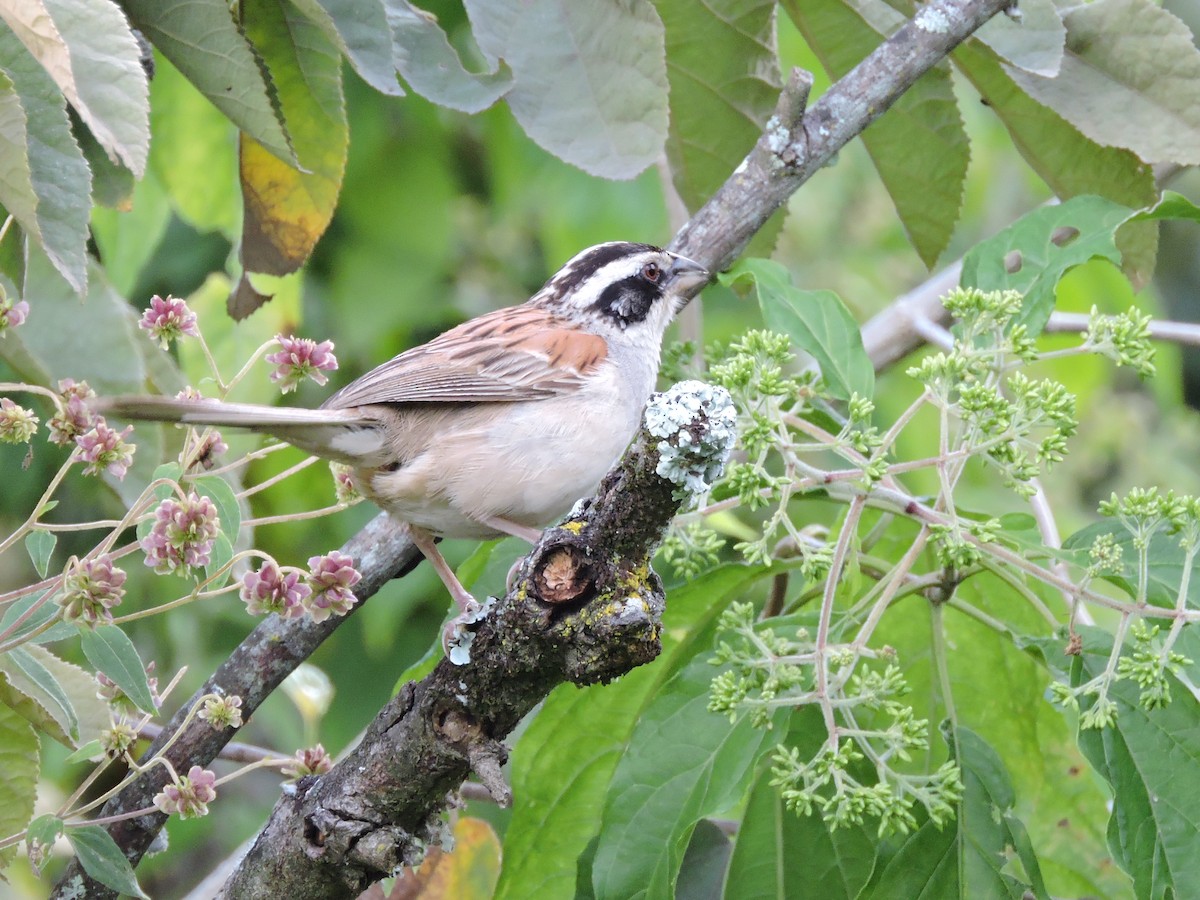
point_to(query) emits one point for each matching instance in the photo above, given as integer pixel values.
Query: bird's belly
(528, 465)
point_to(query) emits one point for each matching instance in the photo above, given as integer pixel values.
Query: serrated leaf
(59, 174)
(432, 67)
(1068, 162)
(18, 787)
(194, 33)
(19, 693)
(781, 854)
(110, 650)
(80, 687)
(1149, 759)
(817, 322)
(683, 762)
(44, 612)
(926, 187)
(560, 775)
(286, 209)
(108, 87)
(16, 180)
(723, 72)
(62, 708)
(194, 153)
(359, 28)
(40, 544)
(1050, 242)
(1033, 38)
(1135, 57)
(561, 53)
(103, 860)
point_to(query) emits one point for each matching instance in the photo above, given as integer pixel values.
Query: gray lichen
(697, 425)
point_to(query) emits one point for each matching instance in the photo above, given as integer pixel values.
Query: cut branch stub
(563, 573)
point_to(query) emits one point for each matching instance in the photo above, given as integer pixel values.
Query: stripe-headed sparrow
(496, 426)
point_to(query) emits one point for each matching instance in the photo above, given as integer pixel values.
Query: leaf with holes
(1033, 253)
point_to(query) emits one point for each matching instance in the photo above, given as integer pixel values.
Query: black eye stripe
(628, 300)
(568, 281)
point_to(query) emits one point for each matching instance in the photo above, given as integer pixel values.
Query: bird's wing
(518, 353)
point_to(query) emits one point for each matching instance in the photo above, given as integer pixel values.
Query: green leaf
(1148, 758)
(359, 28)
(18, 788)
(560, 52)
(971, 857)
(40, 544)
(108, 85)
(59, 174)
(43, 614)
(44, 711)
(44, 829)
(1068, 162)
(218, 490)
(1173, 205)
(560, 774)
(103, 860)
(1049, 242)
(109, 649)
(85, 752)
(16, 180)
(222, 553)
(1135, 57)
(781, 854)
(194, 153)
(926, 187)
(112, 182)
(1165, 563)
(194, 34)
(60, 704)
(704, 863)
(683, 762)
(432, 67)
(723, 73)
(287, 209)
(1032, 40)
(817, 322)
(80, 688)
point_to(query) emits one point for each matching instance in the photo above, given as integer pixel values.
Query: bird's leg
(428, 547)
(456, 640)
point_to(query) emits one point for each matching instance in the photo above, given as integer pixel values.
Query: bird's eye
(651, 272)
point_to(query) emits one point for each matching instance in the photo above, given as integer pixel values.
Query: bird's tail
(344, 435)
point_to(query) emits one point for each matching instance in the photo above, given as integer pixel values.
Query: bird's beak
(685, 278)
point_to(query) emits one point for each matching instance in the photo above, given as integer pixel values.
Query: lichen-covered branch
(585, 607)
